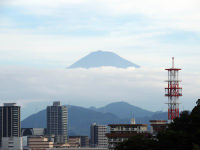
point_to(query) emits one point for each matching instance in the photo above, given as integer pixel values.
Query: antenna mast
(173, 92)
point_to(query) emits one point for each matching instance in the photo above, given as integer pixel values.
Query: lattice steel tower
(173, 91)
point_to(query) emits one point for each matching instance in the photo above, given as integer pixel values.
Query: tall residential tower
(10, 127)
(10, 120)
(57, 122)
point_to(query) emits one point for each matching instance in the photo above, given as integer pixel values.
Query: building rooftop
(56, 103)
(127, 125)
(9, 104)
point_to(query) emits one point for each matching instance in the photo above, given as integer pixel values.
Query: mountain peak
(123, 110)
(102, 58)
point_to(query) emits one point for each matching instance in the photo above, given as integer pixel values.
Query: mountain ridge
(128, 110)
(78, 126)
(80, 119)
(101, 59)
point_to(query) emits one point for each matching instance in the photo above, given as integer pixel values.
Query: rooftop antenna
(132, 118)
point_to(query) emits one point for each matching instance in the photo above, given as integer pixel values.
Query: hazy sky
(39, 39)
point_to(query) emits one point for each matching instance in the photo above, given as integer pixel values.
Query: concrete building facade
(39, 143)
(57, 122)
(10, 120)
(157, 126)
(84, 141)
(78, 141)
(74, 142)
(11, 143)
(98, 136)
(33, 131)
(121, 132)
(10, 124)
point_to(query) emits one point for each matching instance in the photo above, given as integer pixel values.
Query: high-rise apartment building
(10, 120)
(98, 136)
(10, 126)
(57, 122)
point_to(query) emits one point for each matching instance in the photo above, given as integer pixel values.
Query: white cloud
(55, 37)
(25, 47)
(91, 87)
(117, 6)
(177, 14)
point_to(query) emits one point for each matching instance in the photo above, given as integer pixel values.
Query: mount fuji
(101, 59)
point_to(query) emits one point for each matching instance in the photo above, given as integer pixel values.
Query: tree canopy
(182, 134)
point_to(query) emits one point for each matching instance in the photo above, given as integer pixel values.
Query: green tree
(182, 134)
(139, 142)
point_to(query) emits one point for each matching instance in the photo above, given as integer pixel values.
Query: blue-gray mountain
(81, 118)
(123, 110)
(103, 58)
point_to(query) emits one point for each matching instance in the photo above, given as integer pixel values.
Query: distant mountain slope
(123, 110)
(37, 120)
(79, 119)
(102, 58)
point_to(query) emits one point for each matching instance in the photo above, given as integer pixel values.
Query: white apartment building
(98, 136)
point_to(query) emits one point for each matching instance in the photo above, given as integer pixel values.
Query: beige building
(78, 141)
(74, 142)
(39, 143)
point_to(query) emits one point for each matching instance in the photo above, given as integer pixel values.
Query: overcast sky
(39, 39)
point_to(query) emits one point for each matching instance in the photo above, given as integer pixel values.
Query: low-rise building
(61, 145)
(84, 141)
(39, 143)
(12, 143)
(78, 141)
(121, 132)
(28, 132)
(33, 131)
(86, 148)
(74, 141)
(157, 126)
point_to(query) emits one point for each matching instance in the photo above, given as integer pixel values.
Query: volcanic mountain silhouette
(103, 58)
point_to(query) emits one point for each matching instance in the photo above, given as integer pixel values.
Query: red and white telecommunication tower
(173, 91)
